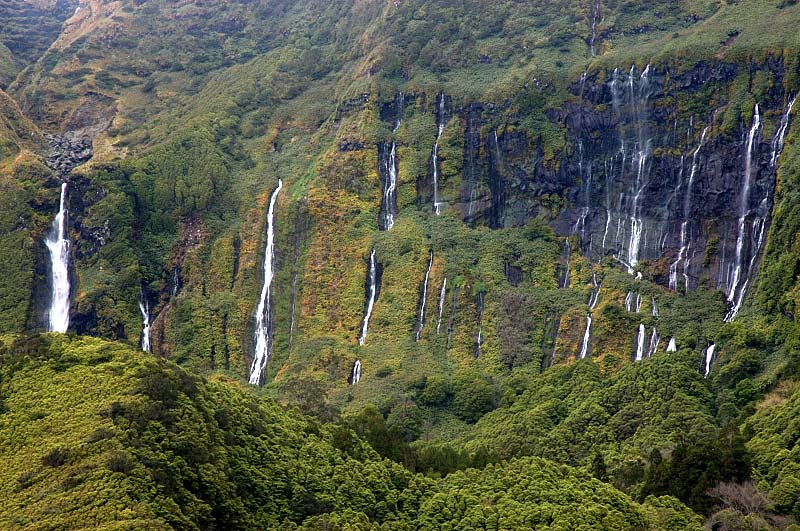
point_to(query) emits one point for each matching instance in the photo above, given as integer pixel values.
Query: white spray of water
(263, 339)
(373, 288)
(58, 245)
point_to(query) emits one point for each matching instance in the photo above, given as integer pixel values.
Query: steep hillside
(473, 232)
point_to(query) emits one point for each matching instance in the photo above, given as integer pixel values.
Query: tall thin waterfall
(629, 100)
(440, 122)
(479, 340)
(628, 301)
(355, 375)
(144, 308)
(780, 134)
(371, 294)
(709, 357)
(390, 188)
(263, 331)
(654, 307)
(423, 299)
(586, 337)
(687, 212)
(738, 282)
(640, 343)
(568, 250)
(594, 297)
(642, 151)
(442, 295)
(58, 244)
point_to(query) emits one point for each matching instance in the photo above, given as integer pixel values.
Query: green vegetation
(197, 109)
(95, 434)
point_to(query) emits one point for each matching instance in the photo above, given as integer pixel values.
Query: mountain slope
(545, 198)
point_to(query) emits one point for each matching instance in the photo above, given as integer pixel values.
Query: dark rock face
(634, 182)
(67, 151)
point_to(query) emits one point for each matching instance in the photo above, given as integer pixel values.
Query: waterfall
(568, 250)
(586, 337)
(423, 298)
(655, 339)
(390, 189)
(263, 331)
(672, 346)
(480, 326)
(628, 301)
(737, 288)
(654, 307)
(594, 296)
(399, 107)
(640, 343)
(642, 148)
(442, 295)
(633, 163)
(638, 303)
(355, 375)
(709, 356)
(176, 281)
(58, 244)
(144, 308)
(780, 134)
(440, 123)
(687, 212)
(372, 292)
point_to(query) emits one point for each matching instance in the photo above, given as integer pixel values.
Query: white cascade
(373, 289)
(780, 134)
(654, 307)
(437, 205)
(737, 288)
(442, 295)
(355, 376)
(176, 282)
(628, 301)
(709, 356)
(421, 314)
(58, 245)
(672, 346)
(687, 211)
(390, 189)
(263, 330)
(594, 297)
(638, 303)
(586, 337)
(642, 152)
(144, 308)
(640, 343)
(655, 339)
